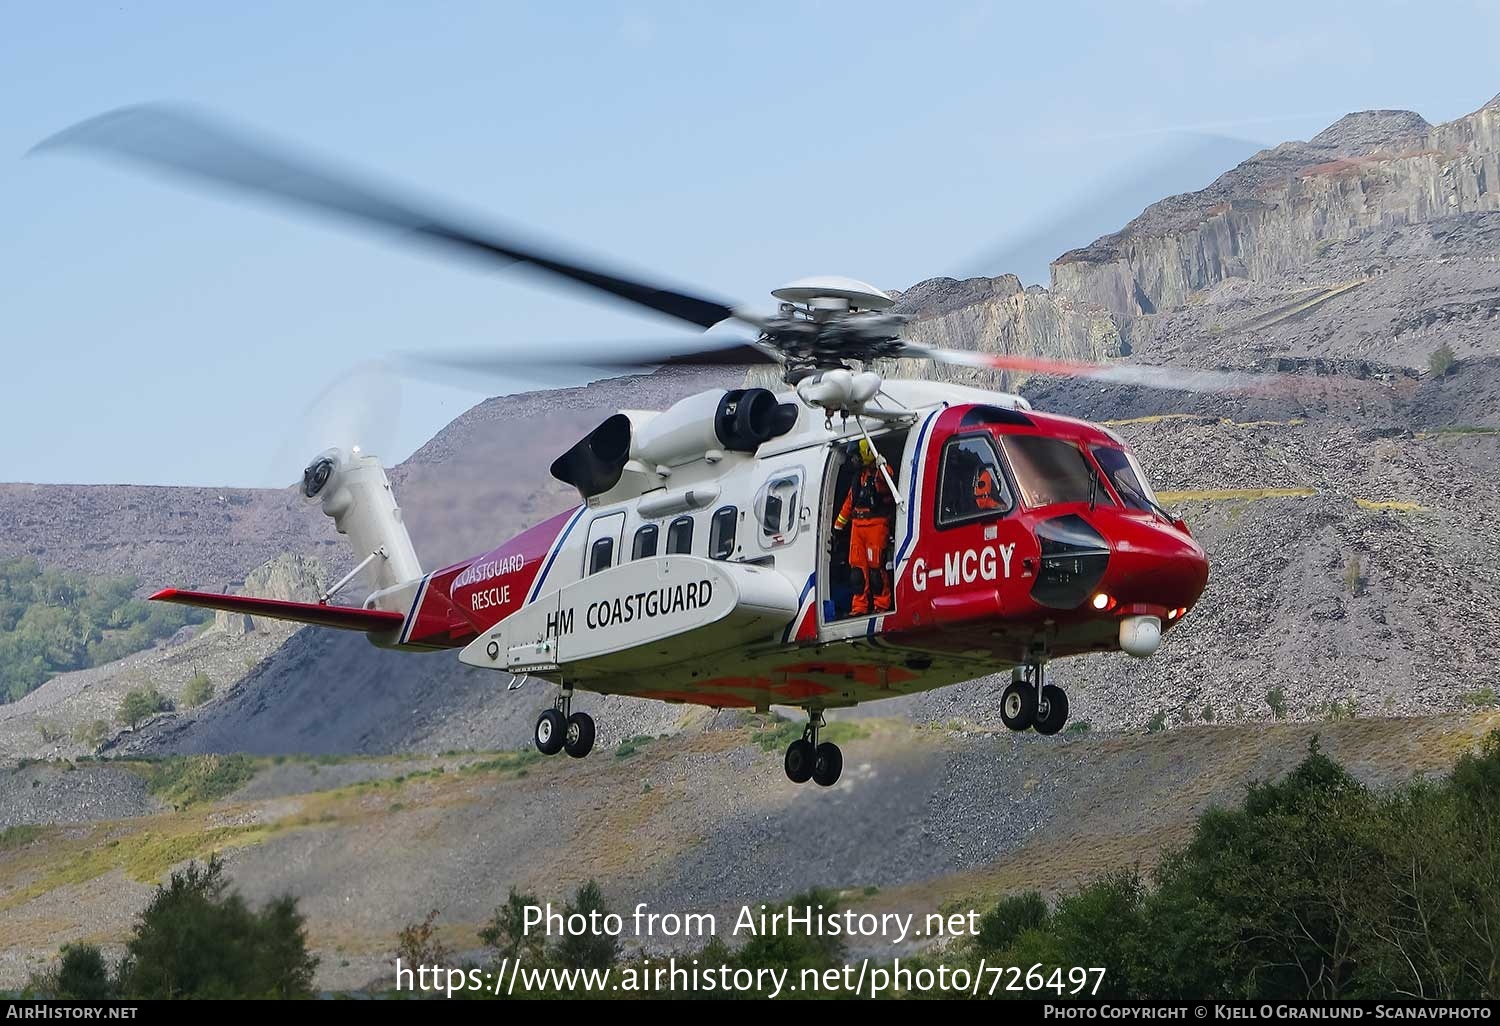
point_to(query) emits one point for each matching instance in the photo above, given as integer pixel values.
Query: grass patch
(1477, 699)
(1399, 507)
(780, 732)
(1235, 494)
(144, 857)
(632, 745)
(18, 836)
(184, 780)
(505, 762)
(1459, 429)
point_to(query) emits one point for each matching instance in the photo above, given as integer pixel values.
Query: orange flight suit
(868, 511)
(984, 490)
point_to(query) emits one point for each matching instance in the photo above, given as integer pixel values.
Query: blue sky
(152, 334)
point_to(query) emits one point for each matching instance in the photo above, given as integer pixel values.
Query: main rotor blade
(1181, 379)
(624, 355)
(182, 142)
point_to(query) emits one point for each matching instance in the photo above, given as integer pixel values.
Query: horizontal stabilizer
(346, 618)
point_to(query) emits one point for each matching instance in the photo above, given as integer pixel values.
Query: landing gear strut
(561, 729)
(1030, 702)
(806, 759)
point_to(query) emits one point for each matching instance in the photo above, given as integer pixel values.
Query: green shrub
(1002, 925)
(91, 735)
(1276, 700)
(200, 688)
(1158, 722)
(140, 704)
(1442, 361)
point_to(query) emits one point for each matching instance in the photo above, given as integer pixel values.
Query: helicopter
(708, 560)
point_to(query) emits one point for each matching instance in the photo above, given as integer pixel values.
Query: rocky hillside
(1276, 211)
(923, 819)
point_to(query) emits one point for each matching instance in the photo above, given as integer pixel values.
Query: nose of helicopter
(1156, 565)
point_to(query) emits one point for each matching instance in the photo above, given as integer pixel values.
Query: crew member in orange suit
(868, 513)
(986, 495)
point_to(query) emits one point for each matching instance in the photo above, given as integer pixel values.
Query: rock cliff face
(998, 315)
(1277, 211)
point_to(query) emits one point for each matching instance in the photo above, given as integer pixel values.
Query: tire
(799, 761)
(1018, 705)
(1052, 712)
(827, 764)
(550, 731)
(578, 737)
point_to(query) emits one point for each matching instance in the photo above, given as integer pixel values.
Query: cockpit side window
(1128, 479)
(971, 485)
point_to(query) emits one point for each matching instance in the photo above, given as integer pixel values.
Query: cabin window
(1049, 470)
(972, 485)
(680, 537)
(644, 546)
(601, 555)
(721, 533)
(777, 509)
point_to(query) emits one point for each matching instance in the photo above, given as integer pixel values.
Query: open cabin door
(837, 580)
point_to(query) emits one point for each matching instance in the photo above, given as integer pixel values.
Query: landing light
(1101, 601)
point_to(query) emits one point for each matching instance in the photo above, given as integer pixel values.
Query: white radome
(860, 295)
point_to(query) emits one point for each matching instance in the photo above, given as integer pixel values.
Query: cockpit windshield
(1128, 479)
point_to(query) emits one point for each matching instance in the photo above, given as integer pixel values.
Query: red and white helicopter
(701, 563)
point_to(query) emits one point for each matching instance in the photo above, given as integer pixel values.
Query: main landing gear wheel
(1051, 710)
(807, 760)
(578, 738)
(828, 764)
(800, 758)
(551, 731)
(1018, 705)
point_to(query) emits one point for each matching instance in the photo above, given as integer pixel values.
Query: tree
(418, 944)
(80, 975)
(506, 932)
(588, 950)
(197, 940)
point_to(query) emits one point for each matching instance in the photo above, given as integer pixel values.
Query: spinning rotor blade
(1180, 379)
(185, 143)
(622, 355)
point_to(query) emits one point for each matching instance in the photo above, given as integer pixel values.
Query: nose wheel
(559, 729)
(806, 759)
(1030, 703)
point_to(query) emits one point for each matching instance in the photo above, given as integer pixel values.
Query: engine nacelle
(352, 489)
(709, 423)
(740, 420)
